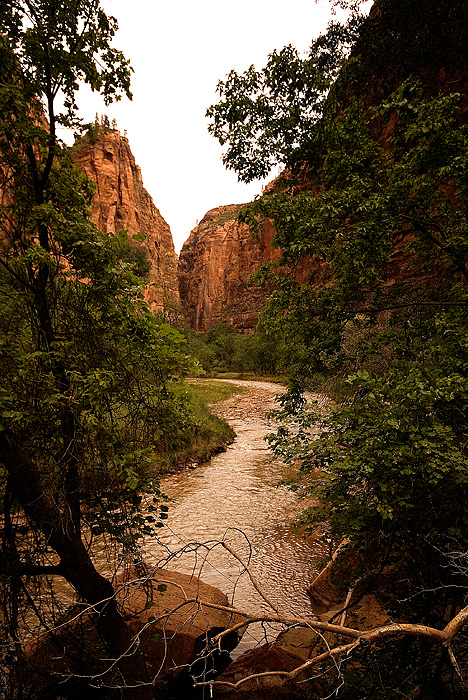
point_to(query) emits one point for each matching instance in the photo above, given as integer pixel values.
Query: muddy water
(235, 498)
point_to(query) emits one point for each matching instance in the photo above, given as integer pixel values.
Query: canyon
(215, 266)
(389, 435)
(210, 282)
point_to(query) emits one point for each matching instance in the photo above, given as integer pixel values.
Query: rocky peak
(121, 202)
(215, 264)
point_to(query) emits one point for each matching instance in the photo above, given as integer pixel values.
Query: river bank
(205, 434)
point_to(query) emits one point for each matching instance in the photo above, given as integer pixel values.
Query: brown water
(235, 498)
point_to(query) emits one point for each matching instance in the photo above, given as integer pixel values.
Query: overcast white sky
(179, 49)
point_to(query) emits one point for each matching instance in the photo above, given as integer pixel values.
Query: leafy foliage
(401, 439)
(221, 349)
(266, 117)
(379, 207)
(61, 44)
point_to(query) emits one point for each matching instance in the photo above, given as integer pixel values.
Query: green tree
(266, 117)
(379, 204)
(221, 339)
(85, 392)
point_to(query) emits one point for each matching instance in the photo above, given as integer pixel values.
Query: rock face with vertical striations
(121, 202)
(215, 264)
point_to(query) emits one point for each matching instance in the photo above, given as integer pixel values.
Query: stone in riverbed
(180, 603)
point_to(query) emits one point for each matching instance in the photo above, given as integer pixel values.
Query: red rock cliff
(121, 202)
(214, 268)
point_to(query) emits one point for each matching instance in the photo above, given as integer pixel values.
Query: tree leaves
(268, 117)
(379, 209)
(86, 397)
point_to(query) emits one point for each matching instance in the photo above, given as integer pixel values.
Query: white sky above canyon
(179, 50)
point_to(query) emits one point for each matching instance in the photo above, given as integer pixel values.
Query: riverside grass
(207, 434)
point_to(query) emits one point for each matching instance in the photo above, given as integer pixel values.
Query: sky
(179, 49)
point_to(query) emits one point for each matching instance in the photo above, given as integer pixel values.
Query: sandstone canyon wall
(121, 202)
(215, 264)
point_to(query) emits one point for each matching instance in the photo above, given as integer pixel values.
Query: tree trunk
(77, 567)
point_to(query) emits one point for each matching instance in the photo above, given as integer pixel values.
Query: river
(235, 497)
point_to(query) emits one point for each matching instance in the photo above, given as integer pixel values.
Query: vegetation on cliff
(122, 202)
(376, 196)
